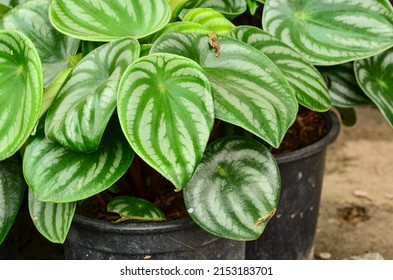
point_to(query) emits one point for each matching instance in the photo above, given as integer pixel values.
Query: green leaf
(3, 10)
(52, 220)
(249, 90)
(20, 90)
(165, 107)
(53, 47)
(348, 116)
(145, 49)
(375, 76)
(109, 20)
(12, 187)
(58, 175)
(252, 6)
(211, 19)
(81, 111)
(306, 81)
(13, 3)
(229, 8)
(176, 7)
(89, 46)
(343, 87)
(331, 32)
(133, 208)
(182, 26)
(235, 189)
(53, 90)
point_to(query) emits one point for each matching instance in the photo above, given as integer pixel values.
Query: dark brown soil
(308, 128)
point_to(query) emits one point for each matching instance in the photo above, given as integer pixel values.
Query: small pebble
(362, 194)
(389, 196)
(368, 256)
(325, 256)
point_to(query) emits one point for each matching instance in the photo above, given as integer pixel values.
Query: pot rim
(135, 227)
(334, 129)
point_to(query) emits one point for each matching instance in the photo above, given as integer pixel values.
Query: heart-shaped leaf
(249, 90)
(229, 8)
(234, 191)
(331, 32)
(52, 220)
(306, 81)
(343, 87)
(109, 20)
(58, 175)
(210, 18)
(133, 208)
(12, 187)
(21, 90)
(375, 76)
(165, 107)
(53, 47)
(81, 111)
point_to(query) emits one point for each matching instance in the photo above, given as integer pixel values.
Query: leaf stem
(214, 130)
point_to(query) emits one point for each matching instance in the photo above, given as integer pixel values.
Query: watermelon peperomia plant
(91, 88)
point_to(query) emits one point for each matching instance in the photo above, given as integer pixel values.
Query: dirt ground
(356, 214)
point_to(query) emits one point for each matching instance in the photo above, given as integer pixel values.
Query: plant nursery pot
(173, 240)
(291, 232)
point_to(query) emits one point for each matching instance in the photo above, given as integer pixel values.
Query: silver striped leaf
(182, 26)
(21, 90)
(307, 83)
(53, 47)
(58, 175)
(235, 189)
(328, 32)
(52, 220)
(104, 20)
(166, 110)
(344, 90)
(375, 77)
(249, 90)
(133, 208)
(229, 8)
(211, 19)
(12, 189)
(81, 111)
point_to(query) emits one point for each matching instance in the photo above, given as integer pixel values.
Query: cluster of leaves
(86, 85)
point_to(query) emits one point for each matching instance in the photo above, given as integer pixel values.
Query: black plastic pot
(291, 232)
(174, 240)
